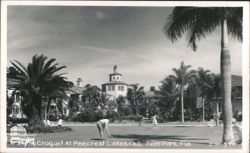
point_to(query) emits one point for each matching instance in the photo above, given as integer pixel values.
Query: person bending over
(101, 125)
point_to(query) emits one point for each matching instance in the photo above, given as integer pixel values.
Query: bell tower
(115, 87)
(115, 76)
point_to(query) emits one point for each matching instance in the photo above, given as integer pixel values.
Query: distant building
(115, 87)
(236, 96)
(73, 94)
(16, 108)
(14, 97)
(79, 82)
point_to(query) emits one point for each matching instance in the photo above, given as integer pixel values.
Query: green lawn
(163, 137)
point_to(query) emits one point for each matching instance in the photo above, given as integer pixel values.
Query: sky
(91, 40)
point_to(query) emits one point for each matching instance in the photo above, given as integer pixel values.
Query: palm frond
(21, 69)
(47, 65)
(234, 22)
(198, 22)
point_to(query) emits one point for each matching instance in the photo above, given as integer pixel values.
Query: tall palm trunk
(48, 109)
(203, 109)
(228, 137)
(137, 111)
(38, 106)
(217, 112)
(45, 113)
(182, 105)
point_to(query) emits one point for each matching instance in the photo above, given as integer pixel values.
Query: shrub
(47, 129)
(17, 120)
(66, 118)
(132, 118)
(53, 118)
(113, 116)
(9, 126)
(125, 111)
(88, 115)
(237, 115)
(36, 125)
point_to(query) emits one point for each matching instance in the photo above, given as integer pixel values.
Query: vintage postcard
(129, 76)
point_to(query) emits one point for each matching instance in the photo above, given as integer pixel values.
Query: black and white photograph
(136, 76)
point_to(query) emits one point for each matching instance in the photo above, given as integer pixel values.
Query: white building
(115, 87)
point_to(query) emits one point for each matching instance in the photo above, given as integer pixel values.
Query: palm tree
(37, 80)
(12, 73)
(183, 78)
(169, 94)
(204, 83)
(197, 22)
(135, 96)
(93, 97)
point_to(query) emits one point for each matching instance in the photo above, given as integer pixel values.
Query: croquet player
(101, 125)
(154, 121)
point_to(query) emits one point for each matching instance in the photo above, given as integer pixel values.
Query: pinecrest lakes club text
(112, 144)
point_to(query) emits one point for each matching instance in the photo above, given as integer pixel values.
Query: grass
(162, 137)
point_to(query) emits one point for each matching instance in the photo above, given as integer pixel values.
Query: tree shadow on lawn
(145, 138)
(97, 139)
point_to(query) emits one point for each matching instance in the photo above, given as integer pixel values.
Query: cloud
(97, 49)
(90, 40)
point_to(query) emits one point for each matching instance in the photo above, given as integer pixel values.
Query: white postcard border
(245, 67)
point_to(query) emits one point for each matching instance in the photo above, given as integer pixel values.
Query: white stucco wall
(117, 92)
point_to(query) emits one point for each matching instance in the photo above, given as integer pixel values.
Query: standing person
(154, 121)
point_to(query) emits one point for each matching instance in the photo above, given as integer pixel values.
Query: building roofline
(115, 74)
(114, 83)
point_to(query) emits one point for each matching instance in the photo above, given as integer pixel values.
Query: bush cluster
(17, 120)
(47, 129)
(8, 128)
(36, 125)
(88, 116)
(133, 118)
(125, 111)
(113, 116)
